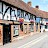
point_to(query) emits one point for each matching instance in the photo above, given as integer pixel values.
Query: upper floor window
(13, 14)
(31, 16)
(26, 16)
(1, 16)
(35, 17)
(46, 19)
(18, 13)
(6, 12)
(41, 19)
(22, 14)
(38, 19)
(0, 7)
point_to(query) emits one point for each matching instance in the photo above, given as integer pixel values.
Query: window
(0, 7)
(31, 17)
(14, 14)
(31, 28)
(38, 20)
(22, 14)
(46, 20)
(46, 26)
(1, 16)
(16, 30)
(34, 18)
(26, 16)
(6, 12)
(13, 17)
(41, 19)
(19, 13)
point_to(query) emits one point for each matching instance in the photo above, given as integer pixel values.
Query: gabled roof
(22, 5)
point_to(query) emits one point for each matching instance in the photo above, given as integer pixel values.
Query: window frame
(1, 10)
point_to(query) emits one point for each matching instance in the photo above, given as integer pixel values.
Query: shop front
(1, 34)
(26, 27)
(31, 27)
(5, 32)
(15, 31)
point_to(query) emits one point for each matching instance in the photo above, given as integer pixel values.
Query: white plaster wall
(1, 16)
(46, 29)
(7, 15)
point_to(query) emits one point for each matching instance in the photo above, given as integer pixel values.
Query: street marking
(29, 44)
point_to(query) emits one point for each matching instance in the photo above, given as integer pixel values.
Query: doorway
(25, 28)
(6, 34)
(21, 27)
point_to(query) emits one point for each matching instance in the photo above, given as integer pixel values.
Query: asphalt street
(39, 40)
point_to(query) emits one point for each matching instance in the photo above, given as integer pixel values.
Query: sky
(43, 4)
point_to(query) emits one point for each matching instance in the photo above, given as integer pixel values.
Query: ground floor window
(16, 30)
(31, 27)
(46, 26)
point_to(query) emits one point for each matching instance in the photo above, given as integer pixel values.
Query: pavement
(36, 40)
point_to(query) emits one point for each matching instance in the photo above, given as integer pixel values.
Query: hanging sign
(31, 21)
(21, 20)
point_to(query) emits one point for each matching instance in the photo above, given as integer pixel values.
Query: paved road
(41, 44)
(39, 40)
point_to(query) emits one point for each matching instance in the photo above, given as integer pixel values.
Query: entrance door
(21, 27)
(6, 33)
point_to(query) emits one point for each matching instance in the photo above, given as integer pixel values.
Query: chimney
(29, 3)
(37, 7)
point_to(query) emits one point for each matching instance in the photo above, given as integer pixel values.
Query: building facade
(18, 20)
